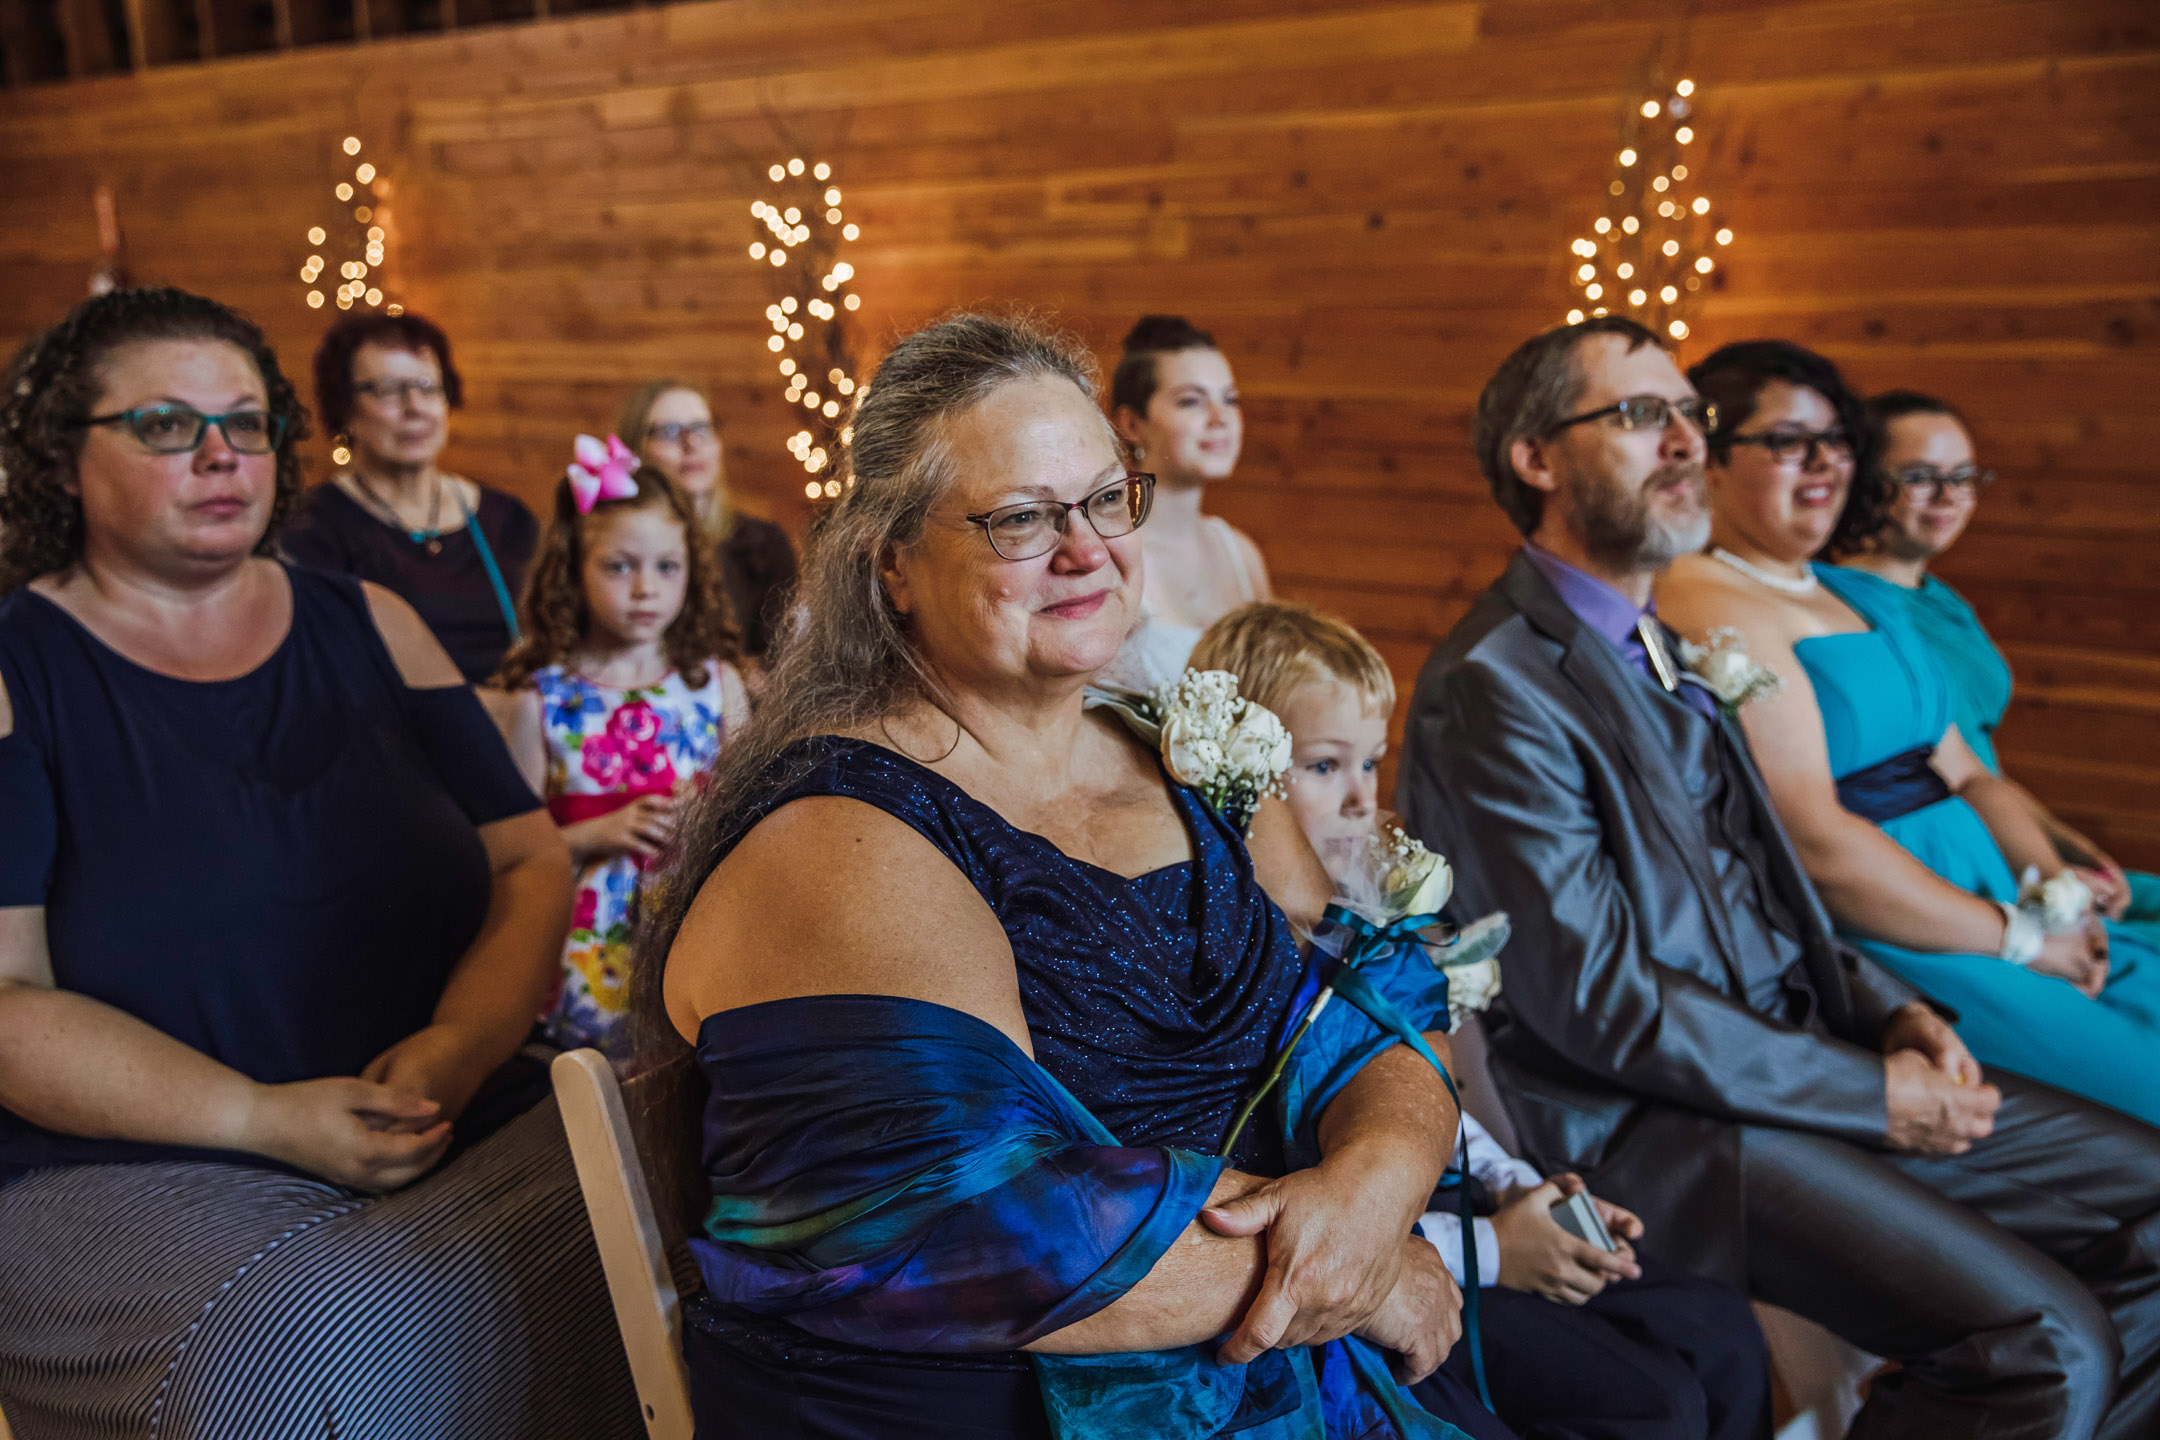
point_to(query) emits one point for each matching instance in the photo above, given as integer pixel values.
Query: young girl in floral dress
(615, 702)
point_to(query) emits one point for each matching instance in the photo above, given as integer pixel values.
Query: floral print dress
(606, 748)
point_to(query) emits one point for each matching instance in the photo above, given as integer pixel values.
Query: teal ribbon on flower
(1366, 941)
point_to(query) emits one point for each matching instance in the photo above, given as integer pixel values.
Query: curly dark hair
(54, 383)
(553, 614)
(1151, 337)
(334, 359)
(1733, 376)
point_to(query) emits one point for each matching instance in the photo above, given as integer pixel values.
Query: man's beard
(1621, 529)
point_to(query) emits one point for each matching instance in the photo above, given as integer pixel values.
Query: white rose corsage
(1726, 670)
(1390, 878)
(1389, 889)
(1229, 749)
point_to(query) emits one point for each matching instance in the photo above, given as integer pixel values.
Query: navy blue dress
(1156, 1000)
(279, 870)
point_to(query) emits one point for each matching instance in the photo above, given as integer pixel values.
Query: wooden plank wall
(1368, 202)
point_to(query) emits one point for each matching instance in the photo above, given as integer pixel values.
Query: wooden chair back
(634, 1150)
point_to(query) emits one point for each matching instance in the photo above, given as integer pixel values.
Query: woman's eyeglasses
(178, 429)
(1648, 412)
(1788, 447)
(1927, 484)
(1036, 527)
(674, 433)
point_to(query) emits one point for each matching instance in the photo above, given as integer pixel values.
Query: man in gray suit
(1680, 1024)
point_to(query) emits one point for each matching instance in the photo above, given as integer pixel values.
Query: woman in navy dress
(276, 915)
(978, 990)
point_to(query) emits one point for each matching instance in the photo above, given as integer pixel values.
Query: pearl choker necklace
(1784, 584)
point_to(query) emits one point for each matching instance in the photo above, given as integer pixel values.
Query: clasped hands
(1341, 1260)
(1936, 1099)
(376, 1131)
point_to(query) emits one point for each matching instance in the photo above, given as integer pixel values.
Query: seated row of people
(1012, 1124)
(1683, 1023)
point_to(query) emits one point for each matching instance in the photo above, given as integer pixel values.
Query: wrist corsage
(1230, 750)
(2056, 906)
(1725, 669)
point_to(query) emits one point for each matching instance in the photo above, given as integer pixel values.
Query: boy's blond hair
(1274, 646)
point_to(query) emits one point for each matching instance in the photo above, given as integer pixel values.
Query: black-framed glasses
(1036, 527)
(1648, 412)
(676, 432)
(395, 391)
(177, 429)
(1802, 447)
(1927, 484)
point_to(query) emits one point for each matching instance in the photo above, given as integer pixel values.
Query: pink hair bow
(602, 472)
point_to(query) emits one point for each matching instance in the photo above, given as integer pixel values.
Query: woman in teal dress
(1914, 844)
(1882, 693)
(1934, 484)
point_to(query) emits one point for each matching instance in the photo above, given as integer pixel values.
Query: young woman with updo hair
(1175, 405)
(670, 424)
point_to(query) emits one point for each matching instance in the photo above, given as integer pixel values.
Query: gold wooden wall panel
(1368, 203)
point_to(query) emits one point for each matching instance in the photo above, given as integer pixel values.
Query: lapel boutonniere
(1724, 668)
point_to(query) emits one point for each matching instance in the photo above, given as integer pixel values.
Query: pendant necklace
(1784, 584)
(429, 539)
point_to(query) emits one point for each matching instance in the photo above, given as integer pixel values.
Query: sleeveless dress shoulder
(1882, 692)
(1153, 999)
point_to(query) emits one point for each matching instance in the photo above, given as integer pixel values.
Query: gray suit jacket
(1539, 763)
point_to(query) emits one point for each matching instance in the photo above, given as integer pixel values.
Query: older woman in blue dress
(1917, 847)
(978, 990)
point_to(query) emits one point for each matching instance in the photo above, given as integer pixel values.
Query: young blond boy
(1578, 1342)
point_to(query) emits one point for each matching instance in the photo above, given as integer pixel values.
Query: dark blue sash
(1893, 787)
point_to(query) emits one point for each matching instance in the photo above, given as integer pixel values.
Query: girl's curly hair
(53, 385)
(554, 615)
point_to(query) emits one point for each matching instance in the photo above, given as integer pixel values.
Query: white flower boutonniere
(1227, 748)
(1725, 669)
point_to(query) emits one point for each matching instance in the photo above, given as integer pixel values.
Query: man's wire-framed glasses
(1648, 412)
(1030, 528)
(178, 429)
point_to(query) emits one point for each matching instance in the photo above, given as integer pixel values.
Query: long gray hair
(849, 662)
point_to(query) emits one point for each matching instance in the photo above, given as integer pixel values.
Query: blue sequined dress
(902, 1199)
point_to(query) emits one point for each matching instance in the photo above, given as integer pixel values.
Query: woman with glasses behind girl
(454, 550)
(1916, 846)
(670, 424)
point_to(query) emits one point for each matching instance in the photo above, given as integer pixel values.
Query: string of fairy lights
(801, 231)
(359, 234)
(1652, 250)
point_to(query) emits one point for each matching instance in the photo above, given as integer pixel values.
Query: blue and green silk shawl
(899, 1175)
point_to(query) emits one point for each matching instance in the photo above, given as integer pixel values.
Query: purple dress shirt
(1613, 615)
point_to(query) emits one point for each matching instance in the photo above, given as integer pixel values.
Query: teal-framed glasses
(178, 429)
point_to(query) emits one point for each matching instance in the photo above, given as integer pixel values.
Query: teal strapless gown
(1980, 687)
(1882, 692)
